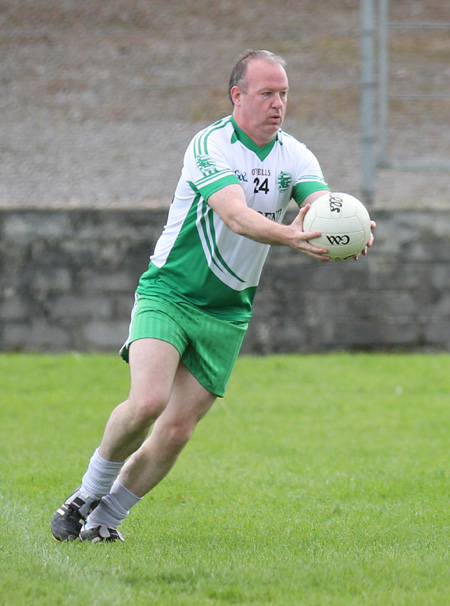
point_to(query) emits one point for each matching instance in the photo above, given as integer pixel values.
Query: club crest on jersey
(205, 164)
(283, 181)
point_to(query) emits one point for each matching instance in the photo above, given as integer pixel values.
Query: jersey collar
(239, 135)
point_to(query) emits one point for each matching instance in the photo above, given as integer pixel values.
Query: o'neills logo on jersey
(205, 164)
(283, 181)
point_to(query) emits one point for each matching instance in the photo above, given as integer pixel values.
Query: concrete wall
(67, 280)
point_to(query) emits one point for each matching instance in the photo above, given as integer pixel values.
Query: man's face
(259, 107)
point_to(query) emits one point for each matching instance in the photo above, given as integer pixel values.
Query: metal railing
(375, 63)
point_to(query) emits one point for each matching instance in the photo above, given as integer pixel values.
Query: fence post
(367, 99)
(383, 75)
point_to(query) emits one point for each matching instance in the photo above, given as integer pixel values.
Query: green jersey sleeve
(303, 189)
(207, 168)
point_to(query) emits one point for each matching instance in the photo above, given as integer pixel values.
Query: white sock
(100, 476)
(113, 508)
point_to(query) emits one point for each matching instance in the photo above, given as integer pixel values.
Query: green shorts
(208, 345)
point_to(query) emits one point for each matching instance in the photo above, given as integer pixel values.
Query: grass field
(317, 481)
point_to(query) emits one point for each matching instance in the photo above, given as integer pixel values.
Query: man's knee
(176, 434)
(148, 407)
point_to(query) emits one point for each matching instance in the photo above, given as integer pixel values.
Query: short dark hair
(239, 71)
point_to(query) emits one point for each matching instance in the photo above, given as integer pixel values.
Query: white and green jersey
(197, 257)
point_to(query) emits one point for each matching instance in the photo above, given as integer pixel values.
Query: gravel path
(100, 99)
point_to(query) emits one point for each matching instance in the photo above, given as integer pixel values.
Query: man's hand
(370, 242)
(301, 239)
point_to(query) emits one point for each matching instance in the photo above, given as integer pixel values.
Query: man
(194, 302)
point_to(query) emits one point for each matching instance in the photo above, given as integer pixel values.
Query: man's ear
(235, 94)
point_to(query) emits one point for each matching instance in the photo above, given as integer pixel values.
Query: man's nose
(277, 100)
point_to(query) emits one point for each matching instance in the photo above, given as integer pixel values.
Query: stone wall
(67, 281)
